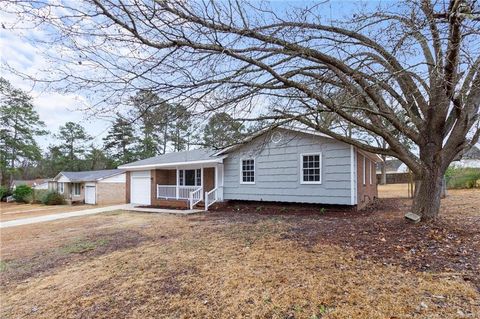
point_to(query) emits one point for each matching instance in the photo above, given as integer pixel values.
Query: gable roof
(253, 136)
(89, 176)
(176, 158)
(202, 156)
(473, 153)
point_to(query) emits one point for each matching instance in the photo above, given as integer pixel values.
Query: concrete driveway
(50, 217)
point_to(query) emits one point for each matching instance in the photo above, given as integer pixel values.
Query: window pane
(248, 171)
(311, 168)
(190, 177)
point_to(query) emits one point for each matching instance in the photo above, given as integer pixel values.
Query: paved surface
(129, 207)
(47, 218)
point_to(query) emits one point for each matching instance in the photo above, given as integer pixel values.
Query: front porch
(187, 187)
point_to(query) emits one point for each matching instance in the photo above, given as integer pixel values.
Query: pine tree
(73, 139)
(19, 125)
(222, 130)
(119, 142)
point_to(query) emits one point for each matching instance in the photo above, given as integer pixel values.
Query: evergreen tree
(151, 114)
(73, 139)
(180, 131)
(19, 125)
(222, 130)
(97, 159)
(119, 142)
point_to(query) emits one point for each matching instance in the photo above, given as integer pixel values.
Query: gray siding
(277, 170)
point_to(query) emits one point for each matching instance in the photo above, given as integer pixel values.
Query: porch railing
(191, 193)
(167, 191)
(195, 197)
(170, 191)
(210, 197)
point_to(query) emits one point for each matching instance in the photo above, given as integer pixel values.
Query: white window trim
(364, 170)
(79, 189)
(254, 170)
(185, 175)
(61, 189)
(301, 169)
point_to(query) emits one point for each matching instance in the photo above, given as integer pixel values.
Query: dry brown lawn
(247, 261)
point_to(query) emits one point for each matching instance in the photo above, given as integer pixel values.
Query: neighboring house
(393, 166)
(282, 165)
(91, 187)
(39, 183)
(470, 159)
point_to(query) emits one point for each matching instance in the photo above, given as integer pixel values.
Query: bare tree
(413, 70)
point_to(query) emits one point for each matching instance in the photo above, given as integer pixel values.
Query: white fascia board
(149, 166)
(374, 157)
(114, 174)
(59, 175)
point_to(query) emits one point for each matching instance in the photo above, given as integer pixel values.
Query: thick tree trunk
(428, 192)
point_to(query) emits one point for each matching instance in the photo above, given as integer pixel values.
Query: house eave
(173, 164)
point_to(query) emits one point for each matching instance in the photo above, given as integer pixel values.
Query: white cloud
(54, 108)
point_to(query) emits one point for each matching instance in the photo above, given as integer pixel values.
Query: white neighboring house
(470, 159)
(102, 187)
(42, 185)
(34, 183)
(281, 165)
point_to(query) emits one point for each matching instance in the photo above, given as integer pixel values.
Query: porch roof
(198, 156)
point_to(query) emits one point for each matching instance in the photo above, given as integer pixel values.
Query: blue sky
(56, 108)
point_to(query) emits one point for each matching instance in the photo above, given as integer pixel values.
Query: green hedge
(4, 192)
(53, 198)
(463, 177)
(22, 193)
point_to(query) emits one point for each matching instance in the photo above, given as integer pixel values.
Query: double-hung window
(247, 171)
(61, 188)
(311, 168)
(76, 189)
(190, 177)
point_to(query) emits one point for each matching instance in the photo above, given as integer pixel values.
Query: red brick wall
(208, 179)
(366, 192)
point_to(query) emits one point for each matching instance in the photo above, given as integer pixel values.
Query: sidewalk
(47, 218)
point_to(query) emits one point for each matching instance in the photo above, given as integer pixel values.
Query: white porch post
(177, 191)
(201, 182)
(220, 176)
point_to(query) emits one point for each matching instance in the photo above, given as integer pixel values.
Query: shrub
(463, 177)
(4, 192)
(53, 198)
(22, 193)
(37, 195)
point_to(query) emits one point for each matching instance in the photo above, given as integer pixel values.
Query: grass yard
(247, 261)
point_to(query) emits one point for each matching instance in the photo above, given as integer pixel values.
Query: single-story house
(470, 159)
(280, 165)
(91, 187)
